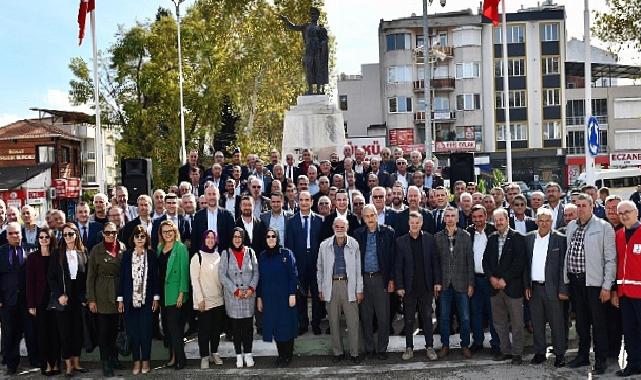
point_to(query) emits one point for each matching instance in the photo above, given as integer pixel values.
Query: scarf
(112, 248)
(139, 276)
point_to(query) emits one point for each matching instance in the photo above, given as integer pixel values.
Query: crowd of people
(244, 247)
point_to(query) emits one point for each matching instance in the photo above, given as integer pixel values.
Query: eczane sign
(625, 159)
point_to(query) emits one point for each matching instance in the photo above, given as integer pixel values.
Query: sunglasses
(109, 233)
(44, 237)
(378, 196)
(140, 236)
(401, 163)
(271, 236)
(69, 234)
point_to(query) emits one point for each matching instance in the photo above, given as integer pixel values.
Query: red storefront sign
(401, 136)
(67, 188)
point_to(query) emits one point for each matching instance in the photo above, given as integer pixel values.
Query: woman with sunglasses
(67, 281)
(238, 272)
(38, 296)
(138, 296)
(103, 279)
(277, 297)
(208, 298)
(173, 271)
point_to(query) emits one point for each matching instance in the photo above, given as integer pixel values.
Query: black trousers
(107, 325)
(12, 328)
(174, 327)
(210, 326)
(285, 349)
(422, 302)
(590, 312)
(47, 336)
(70, 329)
(615, 329)
(243, 331)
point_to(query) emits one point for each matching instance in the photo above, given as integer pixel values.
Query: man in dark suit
(418, 280)
(213, 218)
(30, 229)
(171, 204)
(90, 232)
(13, 288)
(519, 221)
(553, 195)
(215, 175)
(545, 286)
(383, 176)
(185, 170)
(504, 264)
(276, 217)
(441, 196)
(402, 219)
(323, 189)
(251, 225)
(432, 180)
(143, 218)
(236, 160)
(342, 209)
(303, 239)
(291, 171)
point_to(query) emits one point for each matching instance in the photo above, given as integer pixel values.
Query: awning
(603, 70)
(13, 177)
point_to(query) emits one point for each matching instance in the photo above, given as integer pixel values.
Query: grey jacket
(234, 278)
(325, 268)
(554, 268)
(457, 266)
(600, 253)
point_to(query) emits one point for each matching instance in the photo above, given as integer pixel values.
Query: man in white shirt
(159, 204)
(229, 199)
(553, 193)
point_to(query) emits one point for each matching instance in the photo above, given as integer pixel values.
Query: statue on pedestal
(316, 58)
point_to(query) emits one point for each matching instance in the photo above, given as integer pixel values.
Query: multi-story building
(359, 98)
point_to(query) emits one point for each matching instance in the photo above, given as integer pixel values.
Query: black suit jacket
(554, 264)
(511, 265)
(385, 252)
(183, 172)
(296, 173)
(404, 263)
(296, 241)
(402, 226)
(257, 242)
(489, 230)
(94, 235)
(530, 225)
(13, 283)
(224, 224)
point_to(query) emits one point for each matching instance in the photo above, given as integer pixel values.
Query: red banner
(401, 136)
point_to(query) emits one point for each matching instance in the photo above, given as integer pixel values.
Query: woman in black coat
(138, 296)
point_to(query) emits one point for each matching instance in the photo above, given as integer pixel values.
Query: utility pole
(183, 150)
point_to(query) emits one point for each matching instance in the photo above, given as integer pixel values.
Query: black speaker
(461, 168)
(136, 174)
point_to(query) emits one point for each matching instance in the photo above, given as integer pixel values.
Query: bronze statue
(316, 55)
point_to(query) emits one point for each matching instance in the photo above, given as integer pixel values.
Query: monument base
(314, 123)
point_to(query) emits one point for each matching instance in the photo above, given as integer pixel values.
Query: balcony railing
(89, 156)
(580, 120)
(436, 83)
(445, 52)
(437, 116)
(581, 149)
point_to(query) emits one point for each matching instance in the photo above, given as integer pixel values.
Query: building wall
(363, 100)
(27, 152)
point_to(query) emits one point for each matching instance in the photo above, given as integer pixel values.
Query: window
(468, 70)
(551, 65)
(518, 132)
(468, 102)
(575, 111)
(441, 103)
(515, 67)
(46, 154)
(66, 155)
(399, 41)
(550, 32)
(342, 102)
(552, 130)
(518, 99)
(399, 74)
(515, 34)
(551, 97)
(399, 104)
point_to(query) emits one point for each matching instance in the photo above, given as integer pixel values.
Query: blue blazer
(296, 241)
(94, 235)
(225, 226)
(12, 280)
(126, 289)
(183, 226)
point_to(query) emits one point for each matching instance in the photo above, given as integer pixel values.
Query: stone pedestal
(315, 123)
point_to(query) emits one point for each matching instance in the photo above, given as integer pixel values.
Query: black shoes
(559, 361)
(579, 362)
(516, 359)
(476, 348)
(499, 357)
(316, 330)
(338, 358)
(382, 356)
(107, 370)
(538, 359)
(285, 362)
(600, 367)
(627, 371)
(302, 330)
(355, 360)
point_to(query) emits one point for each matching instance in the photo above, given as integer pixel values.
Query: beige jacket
(205, 280)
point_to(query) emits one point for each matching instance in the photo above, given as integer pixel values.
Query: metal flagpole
(183, 151)
(427, 83)
(100, 160)
(506, 97)
(589, 159)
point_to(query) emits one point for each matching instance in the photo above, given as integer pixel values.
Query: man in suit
(545, 286)
(590, 268)
(259, 201)
(323, 189)
(215, 174)
(519, 221)
(236, 160)
(383, 176)
(342, 209)
(553, 193)
(291, 170)
(401, 174)
(304, 165)
(276, 217)
(171, 203)
(122, 197)
(377, 245)
(441, 196)
(303, 239)
(13, 288)
(251, 225)
(465, 210)
(504, 264)
(279, 174)
(418, 280)
(402, 219)
(432, 180)
(274, 158)
(30, 227)
(384, 214)
(192, 162)
(229, 200)
(213, 218)
(90, 232)
(144, 219)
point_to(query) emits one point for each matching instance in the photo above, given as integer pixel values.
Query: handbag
(54, 304)
(123, 343)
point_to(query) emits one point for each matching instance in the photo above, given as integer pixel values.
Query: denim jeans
(481, 309)
(461, 299)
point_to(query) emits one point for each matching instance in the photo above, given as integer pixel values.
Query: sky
(37, 42)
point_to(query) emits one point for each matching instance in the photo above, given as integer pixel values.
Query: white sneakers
(408, 354)
(215, 358)
(239, 361)
(204, 363)
(249, 360)
(431, 354)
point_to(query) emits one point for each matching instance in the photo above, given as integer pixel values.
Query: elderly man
(159, 204)
(100, 204)
(503, 265)
(465, 210)
(490, 205)
(545, 287)
(499, 197)
(90, 232)
(192, 162)
(536, 202)
(376, 245)
(30, 227)
(402, 218)
(628, 244)
(401, 174)
(122, 197)
(459, 188)
(590, 268)
(418, 280)
(432, 179)
(214, 174)
(57, 222)
(454, 247)
(340, 284)
(376, 169)
(261, 202)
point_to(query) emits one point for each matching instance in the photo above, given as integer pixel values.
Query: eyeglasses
(401, 163)
(271, 236)
(378, 196)
(255, 187)
(14, 233)
(519, 204)
(69, 234)
(625, 212)
(165, 232)
(44, 237)
(109, 233)
(140, 236)
(358, 203)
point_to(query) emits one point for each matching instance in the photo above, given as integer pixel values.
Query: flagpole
(100, 163)
(589, 159)
(506, 97)
(183, 150)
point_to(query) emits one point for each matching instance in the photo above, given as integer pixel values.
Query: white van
(622, 182)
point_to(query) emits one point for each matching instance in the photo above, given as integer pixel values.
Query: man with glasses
(387, 163)
(401, 173)
(519, 221)
(89, 231)
(260, 202)
(384, 215)
(358, 202)
(115, 216)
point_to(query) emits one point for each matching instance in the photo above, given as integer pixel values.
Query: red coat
(629, 264)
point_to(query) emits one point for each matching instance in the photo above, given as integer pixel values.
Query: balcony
(447, 84)
(580, 120)
(437, 117)
(581, 150)
(89, 156)
(436, 53)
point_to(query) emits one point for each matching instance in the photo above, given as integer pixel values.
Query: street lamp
(183, 151)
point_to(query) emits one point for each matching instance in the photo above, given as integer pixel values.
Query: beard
(341, 234)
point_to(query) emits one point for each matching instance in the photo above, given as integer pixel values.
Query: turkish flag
(86, 6)
(491, 10)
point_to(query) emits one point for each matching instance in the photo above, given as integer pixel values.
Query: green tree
(235, 53)
(620, 25)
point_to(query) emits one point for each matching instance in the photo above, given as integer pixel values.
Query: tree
(226, 135)
(241, 70)
(620, 25)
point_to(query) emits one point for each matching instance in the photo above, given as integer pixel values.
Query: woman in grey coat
(238, 272)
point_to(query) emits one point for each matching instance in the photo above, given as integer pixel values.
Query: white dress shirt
(230, 204)
(539, 256)
(402, 178)
(249, 228)
(381, 217)
(72, 261)
(519, 225)
(212, 220)
(309, 226)
(480, 242)
(555, 214)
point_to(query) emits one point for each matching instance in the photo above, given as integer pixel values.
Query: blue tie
(306, 228)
